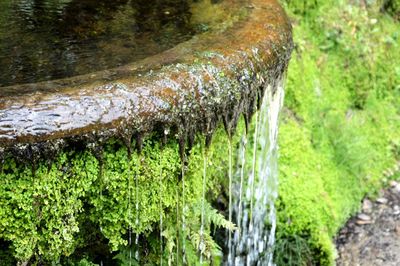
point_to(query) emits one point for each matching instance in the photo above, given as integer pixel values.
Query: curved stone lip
(178, 88)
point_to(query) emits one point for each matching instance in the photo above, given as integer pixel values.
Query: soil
(372, 237)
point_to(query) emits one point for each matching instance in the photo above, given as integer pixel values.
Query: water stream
(137, 215)
(183, 214)
(161, 215)
(242, 158)
(130, 218)
(230, 199)
(255, 213)
(203, 193)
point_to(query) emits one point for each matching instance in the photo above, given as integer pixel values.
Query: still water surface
(51, 39)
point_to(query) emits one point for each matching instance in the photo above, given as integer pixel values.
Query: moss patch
(79, 207)
(340, 126)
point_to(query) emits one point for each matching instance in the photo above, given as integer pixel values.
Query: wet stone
(139, 100)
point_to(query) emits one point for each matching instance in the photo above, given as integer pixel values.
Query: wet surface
(46, 39)
(213, 78)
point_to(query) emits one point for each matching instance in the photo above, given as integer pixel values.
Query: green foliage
(39, 214)
(339, 132)
(340, 126)
(392, 7)
(293, 250)
(86, 262)
(49, 215)
(302, 6)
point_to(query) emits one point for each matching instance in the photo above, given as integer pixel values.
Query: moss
(339, 131)
(60, 210)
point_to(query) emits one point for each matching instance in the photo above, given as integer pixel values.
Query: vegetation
(340, 127)
(339, 132)
(79, 207)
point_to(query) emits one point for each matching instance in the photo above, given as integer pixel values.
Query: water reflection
(50, 39)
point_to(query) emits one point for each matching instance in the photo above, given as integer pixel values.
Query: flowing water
(230, 199)
(255, 213)
(130, 218)
(183, 214)
(203, 193)
(137, 215)
(161, 215)
(241, 164)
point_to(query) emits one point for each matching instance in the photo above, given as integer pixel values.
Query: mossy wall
(341, 123)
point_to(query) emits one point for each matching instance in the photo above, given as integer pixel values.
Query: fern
(204, 243)
(213, 216)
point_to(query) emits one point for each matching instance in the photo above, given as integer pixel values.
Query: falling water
(130, 219)
(178, 218)
(161, 216)
(137, 215)
(253, 169)
(203, 195)
(239, 195)
(183, 215)
(255, 213)
(230, 201)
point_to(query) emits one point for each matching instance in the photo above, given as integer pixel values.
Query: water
(160, 192)
(137, 214)
(43, 40)
(130, 219)
(241, 167)
(203, 196)
(255, 213)
(230, 198)
(183, 214)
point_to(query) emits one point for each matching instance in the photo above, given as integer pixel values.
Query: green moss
(339, 132)
(340, 126)
(63, 208)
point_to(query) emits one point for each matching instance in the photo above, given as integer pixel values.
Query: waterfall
(255, 212)
(183, 220)
(203, 196)
(161, 214)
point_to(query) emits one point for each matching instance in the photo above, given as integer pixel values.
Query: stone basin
(213, 77)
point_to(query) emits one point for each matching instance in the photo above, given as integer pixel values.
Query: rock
(364, 217)
(382, 200)
(393, 183)
(396, 189)
(363, 222)
(396, 210)
(397, 229)
(367, 206)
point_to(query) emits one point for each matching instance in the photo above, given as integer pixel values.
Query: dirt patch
(372, 237)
